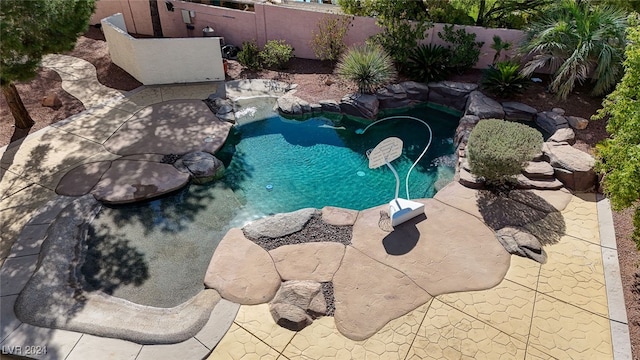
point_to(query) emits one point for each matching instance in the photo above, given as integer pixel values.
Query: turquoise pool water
(280, 165)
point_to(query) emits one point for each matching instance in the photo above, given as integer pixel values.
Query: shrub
(577, 41)
(429, 63)
(328, 42)
(465, 50)
(369, 66)
(504, 79)
(276, 54)
(249, 56)
(403, 24)
(498, 149)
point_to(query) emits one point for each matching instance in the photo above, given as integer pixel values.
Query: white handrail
(419, 157)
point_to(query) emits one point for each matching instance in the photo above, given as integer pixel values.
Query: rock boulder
(451, 94)
(516, 111)
(483, 106)
(360, 105)
(574, 168)
(203, 167)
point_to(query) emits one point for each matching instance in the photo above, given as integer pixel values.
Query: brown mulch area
(316, 81)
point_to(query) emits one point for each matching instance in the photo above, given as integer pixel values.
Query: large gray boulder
(551, 121)
(516, 111)
(279, 225)
(483, 106)
(416, 91)
(329, 106)
(519, 242)
(451, 94)
(577, 123)
(574, 168)
(297, 303)
(360, 105)
(393, 96)
(203, 167)
(290, 105)
(564, 135)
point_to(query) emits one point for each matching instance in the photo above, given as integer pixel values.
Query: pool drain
(360, 173)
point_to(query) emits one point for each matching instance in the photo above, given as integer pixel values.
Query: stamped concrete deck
(569, 308)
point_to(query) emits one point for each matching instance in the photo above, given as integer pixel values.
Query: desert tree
(29, 30)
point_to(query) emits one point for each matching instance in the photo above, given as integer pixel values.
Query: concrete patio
(571, 307)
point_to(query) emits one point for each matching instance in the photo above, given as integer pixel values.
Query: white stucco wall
(163, 61)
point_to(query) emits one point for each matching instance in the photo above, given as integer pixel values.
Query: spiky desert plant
(429, 63)
(577, 41)
(504, 79)
(369, 66)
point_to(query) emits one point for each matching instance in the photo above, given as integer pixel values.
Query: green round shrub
(498, 150)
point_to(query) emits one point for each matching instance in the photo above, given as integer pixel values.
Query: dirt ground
(316, 81)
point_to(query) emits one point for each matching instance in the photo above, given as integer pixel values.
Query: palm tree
(576, 42)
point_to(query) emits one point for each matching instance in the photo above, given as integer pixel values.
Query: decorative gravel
(327, 291)
(315, 230)
(170, 158)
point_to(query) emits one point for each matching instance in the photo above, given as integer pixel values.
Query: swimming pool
(280, 165)
(156, 253)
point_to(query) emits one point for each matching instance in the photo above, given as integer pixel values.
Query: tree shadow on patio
(522, 209)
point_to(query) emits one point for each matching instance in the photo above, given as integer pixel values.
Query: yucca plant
(504, 79)
(429, 63)
(369, 66)
(578, 41)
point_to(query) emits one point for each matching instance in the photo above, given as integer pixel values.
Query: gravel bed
(327, 291)
(315, 230)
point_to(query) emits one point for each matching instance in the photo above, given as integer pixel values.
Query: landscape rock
(316, 261)
(339, 216)
(483, 106)
(551, 121)
(360, 105)
(451, 94)
(519, 242)
(228, 117)
(290, 105)
(515, 111)
(559, 111)
(538, 170)
(577, 123)
(416, 91)
(564, 135)
(470, 180)
(52, 101)
(393, 96)
(241, 271)
(315, 108)
(203, 167)
(469, 119)
(279, 225)
(330, 106)
(462, 133)
(128, 181)
(297, 293)
(290, 316)
(296, 304)
(574, 168)
(524, 182)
